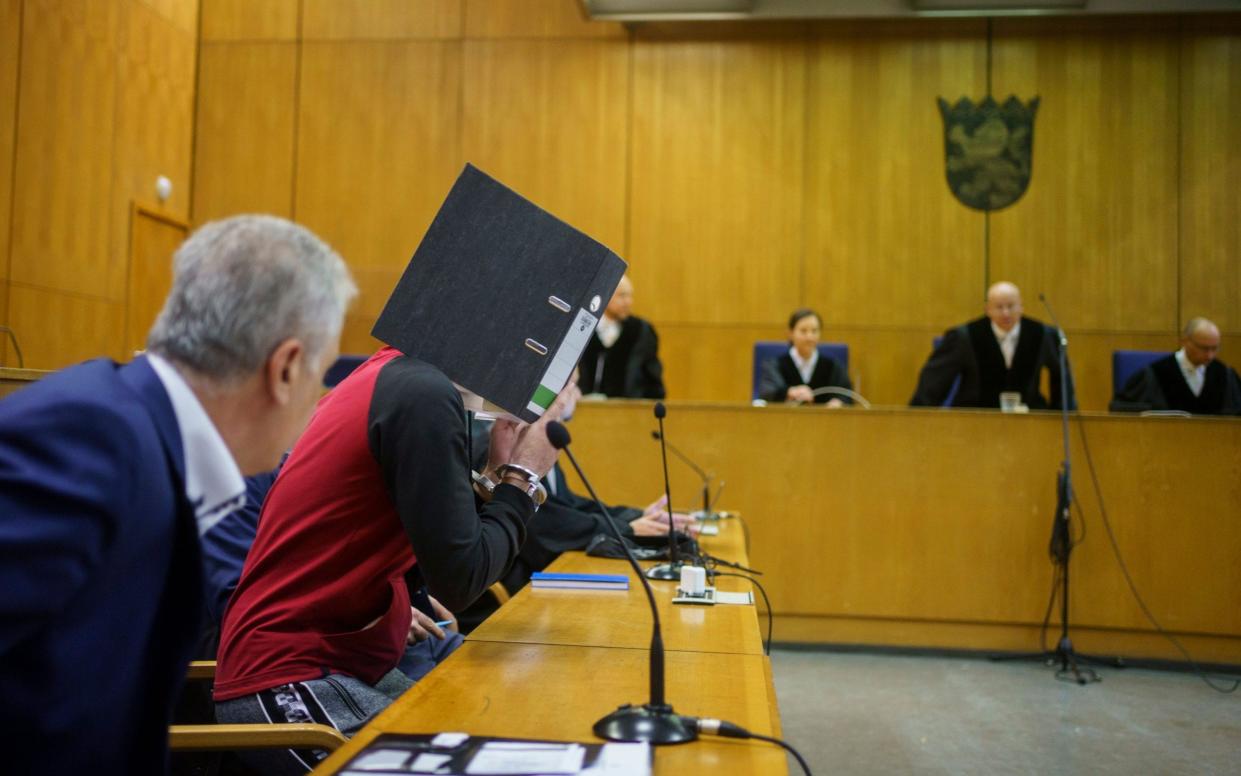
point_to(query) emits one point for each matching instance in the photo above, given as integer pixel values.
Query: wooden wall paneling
(1211, 172)
(1096, 231)
(154, 239)
(884, 362)
(378, 19)
(355, 335)
(243, 155)
(155, 118)
(887, 244)
(57, 329)
(183, 14)
(534, 19)
(709, 362)
(716, 179)
(550, 119)
(65, 123)
(10, 47)
(247, 20)
(379, 145)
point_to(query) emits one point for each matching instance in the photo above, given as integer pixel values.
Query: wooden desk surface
(621, 618)
(558, 692)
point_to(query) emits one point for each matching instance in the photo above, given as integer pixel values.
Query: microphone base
(666, 571)
(657, 725)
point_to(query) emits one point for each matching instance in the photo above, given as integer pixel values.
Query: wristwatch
(533, 487)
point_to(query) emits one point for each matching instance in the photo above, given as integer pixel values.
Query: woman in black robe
(799, 373)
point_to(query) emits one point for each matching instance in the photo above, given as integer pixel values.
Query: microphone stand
(1061, 544)
(707, 501)
(654, 722)
(672, 569)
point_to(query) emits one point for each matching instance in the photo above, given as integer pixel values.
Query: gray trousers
(341, 701)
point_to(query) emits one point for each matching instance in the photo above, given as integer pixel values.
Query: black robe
(970, 351)
(781, 374)
(1162, 386)
(628, 369)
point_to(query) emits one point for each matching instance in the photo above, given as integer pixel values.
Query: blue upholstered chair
(343, 367)
(765, 351)
(1127, 362)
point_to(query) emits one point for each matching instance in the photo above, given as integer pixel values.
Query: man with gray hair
(1191, 380)
(110, 472)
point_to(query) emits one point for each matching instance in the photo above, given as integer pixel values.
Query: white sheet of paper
(450, 740)
(380, 760)
(430, 762)
(622, 760)
(497, 758)
(744, 598)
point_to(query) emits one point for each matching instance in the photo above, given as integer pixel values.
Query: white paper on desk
(430, 762)
(709, 530)
(622, 760)
(744, 598)
(381, 760)
(496, 758)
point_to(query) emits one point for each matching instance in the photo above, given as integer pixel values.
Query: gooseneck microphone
(672, 569)
(702, 475)
(654, 722)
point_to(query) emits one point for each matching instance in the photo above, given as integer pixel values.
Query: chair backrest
(343, 367)
(956, 384)
(1126, 362)
(767, 350)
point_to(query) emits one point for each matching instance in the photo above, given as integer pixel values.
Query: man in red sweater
(379, 481)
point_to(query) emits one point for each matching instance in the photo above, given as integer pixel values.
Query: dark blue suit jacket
(100, 573)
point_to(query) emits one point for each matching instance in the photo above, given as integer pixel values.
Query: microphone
(706, 478)
(654, 722)
(672, 569)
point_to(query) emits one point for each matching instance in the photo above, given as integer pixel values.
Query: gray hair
(243, 285)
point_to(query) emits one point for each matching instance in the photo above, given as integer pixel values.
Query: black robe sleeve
(417, 433)
(1141, 392)
(645, 374)
(941, 370)
(838, 377)
(771, 384)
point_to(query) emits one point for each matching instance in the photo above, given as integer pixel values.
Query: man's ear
(284, 369)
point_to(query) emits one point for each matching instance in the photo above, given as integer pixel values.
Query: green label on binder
(561, 367)
(543, 396)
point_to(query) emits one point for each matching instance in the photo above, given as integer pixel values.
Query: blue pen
(443, 623)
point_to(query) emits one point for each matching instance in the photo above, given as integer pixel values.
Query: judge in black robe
(972, 353)
(783, 380)
(781, 374)
(629, 366)
(1164, 384)
(629, 369)
(1161, 386)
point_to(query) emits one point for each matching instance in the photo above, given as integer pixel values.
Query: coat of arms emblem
(988, 148)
